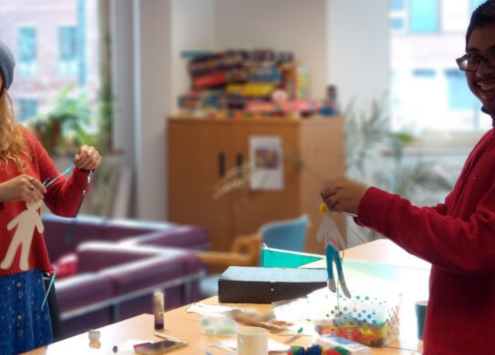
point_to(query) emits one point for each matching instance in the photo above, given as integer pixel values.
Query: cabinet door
(253, 208)
(197, 152)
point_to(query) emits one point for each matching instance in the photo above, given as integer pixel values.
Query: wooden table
(183, 325)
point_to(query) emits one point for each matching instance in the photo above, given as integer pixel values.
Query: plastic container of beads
(216, 324)
(368, 317)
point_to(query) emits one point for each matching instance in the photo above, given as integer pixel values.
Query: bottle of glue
(159, 309)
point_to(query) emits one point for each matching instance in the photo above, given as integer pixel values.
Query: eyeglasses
(471, 62)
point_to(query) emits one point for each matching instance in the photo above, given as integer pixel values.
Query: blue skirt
(23, 325)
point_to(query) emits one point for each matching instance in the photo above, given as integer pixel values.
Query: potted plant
(64, 121)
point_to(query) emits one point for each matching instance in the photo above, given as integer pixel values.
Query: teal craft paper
(285, 258)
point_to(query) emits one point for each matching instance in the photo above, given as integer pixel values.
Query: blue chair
(287, 234)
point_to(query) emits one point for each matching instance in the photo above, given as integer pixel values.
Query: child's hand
(22, 188)
(343, 195)
(87, 158)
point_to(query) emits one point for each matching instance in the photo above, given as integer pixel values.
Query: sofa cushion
(149, 272)
(188, 237)
(94, 256)
(66, 266)
(118, 229)
(83, 290)
(81, 229)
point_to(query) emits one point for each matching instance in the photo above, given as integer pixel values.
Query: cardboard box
(267, 285)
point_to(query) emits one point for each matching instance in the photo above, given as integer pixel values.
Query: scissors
(329, 233)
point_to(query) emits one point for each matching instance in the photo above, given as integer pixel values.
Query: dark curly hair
(483, 15)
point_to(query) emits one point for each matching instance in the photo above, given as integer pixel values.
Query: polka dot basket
(369, 318)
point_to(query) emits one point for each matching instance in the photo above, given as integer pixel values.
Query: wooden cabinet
(201, 151)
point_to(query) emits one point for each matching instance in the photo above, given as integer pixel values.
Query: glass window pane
(459, 95)
(67, 42)
(67, 51)
(56, 45)
(455, 15)
(397, 23)
(423, 15)
(27, 44)
(424, 73)
(28, 108)
(397, 5)
(476, 3)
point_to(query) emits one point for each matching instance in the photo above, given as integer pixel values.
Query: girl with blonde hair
(24, 163)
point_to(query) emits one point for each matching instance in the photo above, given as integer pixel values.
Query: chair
(288, 234)
(246, 250)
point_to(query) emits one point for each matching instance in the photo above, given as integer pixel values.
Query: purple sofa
(116, 275)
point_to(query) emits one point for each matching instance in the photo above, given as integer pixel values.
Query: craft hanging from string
(329, 233)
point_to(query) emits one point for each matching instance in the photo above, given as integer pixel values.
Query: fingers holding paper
(343, 195)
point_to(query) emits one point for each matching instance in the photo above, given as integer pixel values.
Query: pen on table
(292, 338)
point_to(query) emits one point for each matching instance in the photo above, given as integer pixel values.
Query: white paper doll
(26, 222)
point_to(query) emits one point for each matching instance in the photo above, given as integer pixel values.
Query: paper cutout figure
(329, 233)
(26, 221)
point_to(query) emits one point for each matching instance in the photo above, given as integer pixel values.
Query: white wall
(358, 48)
(148, 76)
(284, 25)
(152, 77)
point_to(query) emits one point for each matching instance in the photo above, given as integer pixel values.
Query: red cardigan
(62, 198)
(458, 238)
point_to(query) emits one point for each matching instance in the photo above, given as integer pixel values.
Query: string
(70, 231)
(69, 169)
(49, 288)
(72, 225)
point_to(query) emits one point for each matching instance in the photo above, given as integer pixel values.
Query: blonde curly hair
(12, 144)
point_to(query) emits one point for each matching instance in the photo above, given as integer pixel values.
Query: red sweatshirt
(458, 238)
(62, 198)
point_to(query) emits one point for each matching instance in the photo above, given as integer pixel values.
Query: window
(51, 43)
(429, 93)
(455, 15)
(27, 52)
(397, 5)
(459, 94)
(424, 73)
(398, 16)
(476, 3)
(28, 108)
(423, 16)
(67, 50)
(397, 24)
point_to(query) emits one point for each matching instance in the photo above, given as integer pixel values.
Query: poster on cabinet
(266, 163)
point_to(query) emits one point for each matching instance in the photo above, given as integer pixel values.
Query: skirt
(23, 325)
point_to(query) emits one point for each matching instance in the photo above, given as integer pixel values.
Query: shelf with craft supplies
(251, 83)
